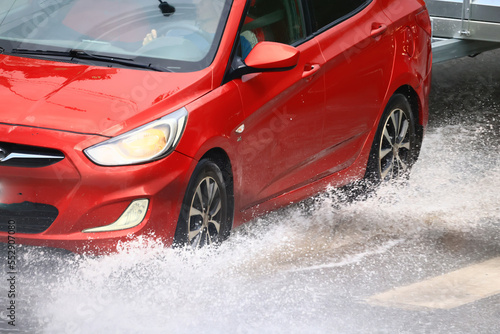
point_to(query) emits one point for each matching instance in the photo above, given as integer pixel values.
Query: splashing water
(301, 269)
(268, 276)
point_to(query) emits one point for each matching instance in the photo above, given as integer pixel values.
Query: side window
(272, 20)
(325, 12)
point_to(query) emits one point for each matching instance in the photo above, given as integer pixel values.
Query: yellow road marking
(446, 291)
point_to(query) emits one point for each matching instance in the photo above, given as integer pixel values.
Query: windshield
(180, 35)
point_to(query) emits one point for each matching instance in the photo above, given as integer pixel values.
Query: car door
(359, 50)
(284, 111)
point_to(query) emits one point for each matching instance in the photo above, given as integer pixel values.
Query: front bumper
(83, 195)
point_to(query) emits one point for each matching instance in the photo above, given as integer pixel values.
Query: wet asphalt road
(310, 268)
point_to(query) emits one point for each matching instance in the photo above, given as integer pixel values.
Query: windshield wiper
(82, 54)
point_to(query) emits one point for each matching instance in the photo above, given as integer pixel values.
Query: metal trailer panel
(474, 30)
(480, 10)
(451, 48)
(463, 27)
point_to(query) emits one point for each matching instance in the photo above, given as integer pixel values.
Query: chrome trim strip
(15, 155)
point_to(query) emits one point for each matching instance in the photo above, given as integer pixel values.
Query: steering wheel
(162, 40)
(185, 25)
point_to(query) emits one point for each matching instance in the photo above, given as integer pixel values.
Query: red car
(183, 119)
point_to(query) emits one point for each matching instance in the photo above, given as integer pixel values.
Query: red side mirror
(272, 56)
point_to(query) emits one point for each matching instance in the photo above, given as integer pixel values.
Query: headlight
(146, 143)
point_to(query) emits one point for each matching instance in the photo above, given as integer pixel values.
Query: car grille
(27, 217)
(16, 155)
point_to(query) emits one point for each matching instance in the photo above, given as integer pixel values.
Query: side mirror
(271, 56)
(267, 57)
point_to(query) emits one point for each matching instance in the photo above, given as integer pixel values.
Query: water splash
(269, 276)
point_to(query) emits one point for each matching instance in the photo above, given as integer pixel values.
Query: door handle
(378, 29)
(310, 70)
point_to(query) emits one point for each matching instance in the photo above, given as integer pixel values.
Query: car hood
(90, 99)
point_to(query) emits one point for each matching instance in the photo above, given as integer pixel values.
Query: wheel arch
(220, 157)
(416, 109)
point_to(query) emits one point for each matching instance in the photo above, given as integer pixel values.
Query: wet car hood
(90, 99)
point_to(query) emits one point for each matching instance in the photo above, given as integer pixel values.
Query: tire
(205, 218)
(395, 148)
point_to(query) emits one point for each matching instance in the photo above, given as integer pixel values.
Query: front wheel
(395, 146)
(205, 217)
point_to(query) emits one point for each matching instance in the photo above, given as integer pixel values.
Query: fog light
(132, 217)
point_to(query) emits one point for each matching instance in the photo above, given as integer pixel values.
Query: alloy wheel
(395, 146)
(205, 218)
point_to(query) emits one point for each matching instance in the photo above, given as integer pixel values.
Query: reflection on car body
(117, 133)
